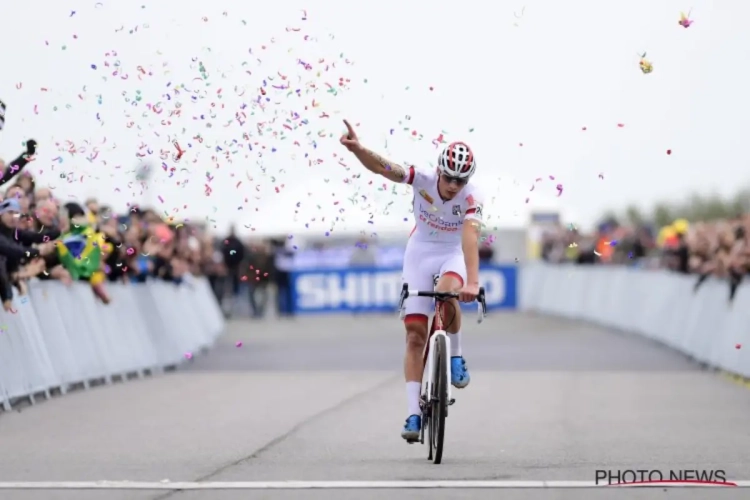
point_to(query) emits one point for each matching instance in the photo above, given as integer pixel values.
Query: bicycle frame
(429, 363)
(429, 369)
(433, 337)
(437, 331)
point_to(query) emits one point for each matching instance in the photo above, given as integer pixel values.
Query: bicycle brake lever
(402, 299)
(481, 305)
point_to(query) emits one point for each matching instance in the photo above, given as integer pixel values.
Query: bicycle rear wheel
(439, 399)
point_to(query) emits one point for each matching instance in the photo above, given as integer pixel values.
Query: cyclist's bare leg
(416, 330)
(451, 313)
(416, 339)
(451, 282)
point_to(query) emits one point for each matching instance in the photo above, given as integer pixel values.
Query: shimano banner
(378, 290)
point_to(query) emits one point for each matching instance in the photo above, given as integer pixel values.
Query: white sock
(412, 398)
(455, 339)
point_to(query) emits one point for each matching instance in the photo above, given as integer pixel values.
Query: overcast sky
(519, 82)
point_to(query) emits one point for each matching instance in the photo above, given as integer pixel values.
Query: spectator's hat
(10, 205)
(681, 226)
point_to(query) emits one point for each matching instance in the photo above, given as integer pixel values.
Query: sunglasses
(457, 180)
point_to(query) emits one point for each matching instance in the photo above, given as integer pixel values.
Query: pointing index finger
(349, 129)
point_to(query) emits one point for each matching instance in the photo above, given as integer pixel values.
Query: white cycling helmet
(457, 160)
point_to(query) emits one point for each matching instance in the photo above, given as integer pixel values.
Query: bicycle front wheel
(439, 400)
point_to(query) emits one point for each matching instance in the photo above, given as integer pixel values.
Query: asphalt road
(322, 398)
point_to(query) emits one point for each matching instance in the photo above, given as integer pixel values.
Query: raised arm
(15, 167)
(371, 160)
(379, 165)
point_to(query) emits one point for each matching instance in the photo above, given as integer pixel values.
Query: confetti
(277, 102)
(645, 65)
(238, 344)
(685, 20)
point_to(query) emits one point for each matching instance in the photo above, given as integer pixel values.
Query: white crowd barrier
(656, 304)
(57, 337)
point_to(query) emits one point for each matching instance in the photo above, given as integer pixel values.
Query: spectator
(260, 273)
(233, 254)
(283, 263)
(213, 266)
(718, 248)
(18, 261)
(80, 250)
(40, 239)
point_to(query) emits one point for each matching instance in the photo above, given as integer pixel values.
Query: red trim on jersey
(410, 178)
(412, 230)
(470, 211)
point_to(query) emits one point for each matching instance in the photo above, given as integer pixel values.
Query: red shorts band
(455, 275)
(415, 318)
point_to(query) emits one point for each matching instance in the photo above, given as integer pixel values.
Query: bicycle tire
(439, 401)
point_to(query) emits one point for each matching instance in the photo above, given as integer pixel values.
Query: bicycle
(436, 387)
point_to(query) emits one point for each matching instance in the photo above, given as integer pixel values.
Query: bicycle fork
(430, 369)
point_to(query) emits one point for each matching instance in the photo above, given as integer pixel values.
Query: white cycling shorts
(421, 263)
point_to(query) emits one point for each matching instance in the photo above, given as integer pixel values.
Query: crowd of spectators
(258, 267)
(44, 238)
(711, 248)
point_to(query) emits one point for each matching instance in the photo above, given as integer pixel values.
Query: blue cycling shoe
(411, 429)
(460, 377)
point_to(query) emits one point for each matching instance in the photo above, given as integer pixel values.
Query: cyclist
(444, 242)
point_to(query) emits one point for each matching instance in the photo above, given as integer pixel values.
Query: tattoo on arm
(391, 171)
(397, 173)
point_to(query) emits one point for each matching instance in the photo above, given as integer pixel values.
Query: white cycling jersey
(438, 221)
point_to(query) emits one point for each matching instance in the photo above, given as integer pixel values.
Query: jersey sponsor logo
(437, 222)
(456, 209)
(426, 196)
